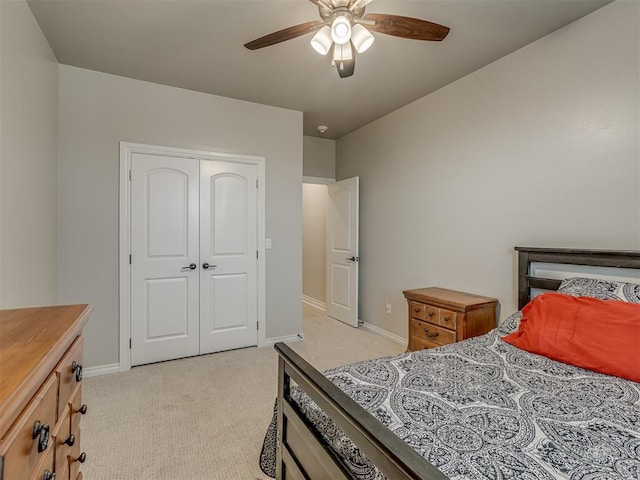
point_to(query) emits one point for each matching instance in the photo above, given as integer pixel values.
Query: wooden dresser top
(449, 298)
(32, 340)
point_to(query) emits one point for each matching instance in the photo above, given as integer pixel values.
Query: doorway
(330, 248)
(314, 241)
(192, 237)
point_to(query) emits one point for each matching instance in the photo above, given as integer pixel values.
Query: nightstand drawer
(431, 333)
(431, 314)
(418, 343)
(447, 319)
(417, 310)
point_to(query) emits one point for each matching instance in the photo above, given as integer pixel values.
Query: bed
(478, 409)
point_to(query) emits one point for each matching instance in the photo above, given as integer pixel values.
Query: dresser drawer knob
(82, 410)
(82, 458)
(77, 369)
(446, 319)
(431, 335)
(431, 314)
(70, 441)
(417, 310)
(49, 476)
(41, 432)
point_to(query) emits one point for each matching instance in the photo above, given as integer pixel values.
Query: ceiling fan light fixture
(321, 41)
(361, 38)
(341, 30)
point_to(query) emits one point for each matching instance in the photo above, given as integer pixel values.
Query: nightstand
(438, 316)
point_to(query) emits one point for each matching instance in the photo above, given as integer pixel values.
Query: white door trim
(126, 150)
(318, 180)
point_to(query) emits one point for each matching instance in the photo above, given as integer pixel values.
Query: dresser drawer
(69, 370)
(75, 457)
(63, 442)
(78, 409)
(45, 469)
(20, 449)
(431, 333)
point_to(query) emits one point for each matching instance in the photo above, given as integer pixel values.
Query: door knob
(206, 266)
(192, 266)
(354, 259)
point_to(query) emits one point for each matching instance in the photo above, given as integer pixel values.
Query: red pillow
(599, 335)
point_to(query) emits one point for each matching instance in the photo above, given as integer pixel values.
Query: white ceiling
(198, 45)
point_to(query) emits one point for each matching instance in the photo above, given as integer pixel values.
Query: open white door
(342, 251)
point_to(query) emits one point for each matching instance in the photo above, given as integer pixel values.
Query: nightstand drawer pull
(431, 314)
(431, 335)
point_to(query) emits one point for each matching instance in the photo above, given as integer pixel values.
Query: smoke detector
(322, 128)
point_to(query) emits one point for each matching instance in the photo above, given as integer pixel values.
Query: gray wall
(314, 241)
(319, 157)
(28, 160)
(539, 148)
(97, 111)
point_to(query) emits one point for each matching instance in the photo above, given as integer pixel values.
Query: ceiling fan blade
(284, 34)
(406, 27)
(346, 67)
(321, 3)
(359, 4)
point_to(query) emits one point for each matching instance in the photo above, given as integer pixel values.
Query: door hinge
(129, 259)
(256, 183)
(129, 175)
(256, 254)
(257, 325)
(129, 343)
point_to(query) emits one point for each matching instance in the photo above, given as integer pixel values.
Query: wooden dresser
(40, 392)
(438, 316)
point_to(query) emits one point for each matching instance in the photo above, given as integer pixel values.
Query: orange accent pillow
(599, 335)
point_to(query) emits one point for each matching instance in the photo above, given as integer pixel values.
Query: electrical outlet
(388, 307)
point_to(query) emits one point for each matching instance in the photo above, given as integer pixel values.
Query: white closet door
(228, 254)
(164, 249)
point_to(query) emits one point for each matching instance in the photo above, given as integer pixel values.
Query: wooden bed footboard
(302, 453)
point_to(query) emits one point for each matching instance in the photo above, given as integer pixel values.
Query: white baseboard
(100, 370)
(269, 342)
(314, 303)
(391, 336)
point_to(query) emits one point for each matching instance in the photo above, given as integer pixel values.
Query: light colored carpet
(203, 417)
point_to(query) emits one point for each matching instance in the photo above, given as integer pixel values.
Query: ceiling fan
(345, 27)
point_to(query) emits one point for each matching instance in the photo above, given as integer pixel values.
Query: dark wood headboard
(566, 256)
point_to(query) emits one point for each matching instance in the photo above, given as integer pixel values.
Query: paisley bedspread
(482, 409)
